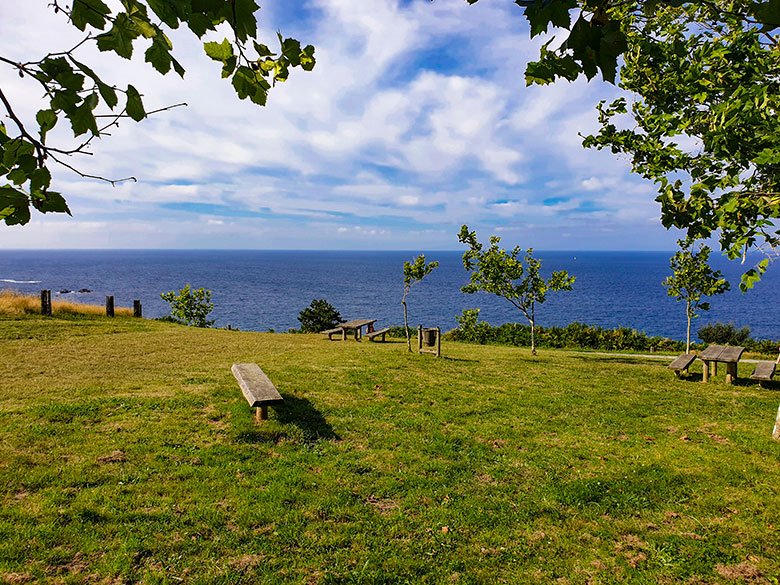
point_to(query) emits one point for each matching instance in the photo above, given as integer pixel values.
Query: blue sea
(264, 290)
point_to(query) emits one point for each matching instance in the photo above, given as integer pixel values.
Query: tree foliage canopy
(500, 272)
(692, 280)
(319, 316)
(92, 103)
(700, 120)
(414, 271)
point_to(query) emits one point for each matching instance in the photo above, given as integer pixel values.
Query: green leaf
(135, 106)
(171, 12)
(46, 119)
(14, 206)
(248, 85)
(89, 12)
(159, 54)
(263, 50)
(219, 51)
(82, 118)
(40, 180)
(51, 202)
(120, 38)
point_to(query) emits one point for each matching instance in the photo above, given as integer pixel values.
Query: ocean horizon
(265, 290)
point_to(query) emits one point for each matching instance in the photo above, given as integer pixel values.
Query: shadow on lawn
(303, 422)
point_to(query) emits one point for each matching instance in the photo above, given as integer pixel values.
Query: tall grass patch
(14, 303)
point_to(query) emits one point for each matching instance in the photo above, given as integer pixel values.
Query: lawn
(128, 454)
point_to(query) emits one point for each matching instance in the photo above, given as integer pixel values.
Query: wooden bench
(332, 332)
(764, 372)
(378, 333)
(258, 390)
(682, 363)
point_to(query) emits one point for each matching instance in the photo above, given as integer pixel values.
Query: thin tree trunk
(406, 325)
(688, 333)
(533, 330)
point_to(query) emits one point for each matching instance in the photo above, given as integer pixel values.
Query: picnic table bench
(682, 363)
(765, 371)
(379, 332)
(258, 390)
(355, 325)
(726, 354)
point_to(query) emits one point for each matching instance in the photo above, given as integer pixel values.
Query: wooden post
(46, 303)
(438, 342)
(419, 338)
(731, 372)
(705, 372)
(137, 309)
(261, 413)
(109, 305)
(776, 431)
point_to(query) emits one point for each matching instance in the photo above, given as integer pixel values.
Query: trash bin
(429, 337)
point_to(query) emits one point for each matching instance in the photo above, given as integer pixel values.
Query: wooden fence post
(109, 305)
(137, 309)
(46, 303)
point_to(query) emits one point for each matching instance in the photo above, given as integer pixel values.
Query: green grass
(127, 454)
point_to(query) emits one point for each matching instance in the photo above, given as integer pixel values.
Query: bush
(724, 334)
(319, 316)
(190, 306)
(574, 335)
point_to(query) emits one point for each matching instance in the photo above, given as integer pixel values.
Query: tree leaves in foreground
(91, 104)
(700, 117)
(500, 272)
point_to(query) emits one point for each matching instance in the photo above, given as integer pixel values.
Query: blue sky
(415, 120)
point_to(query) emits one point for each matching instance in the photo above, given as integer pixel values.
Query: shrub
(190, 306)
(470, 328)
(724, 334)
(319, 316)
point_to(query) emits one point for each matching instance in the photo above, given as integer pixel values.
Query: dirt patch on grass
(116, 456)
(744, 572)
(383, 505)
(16, 578)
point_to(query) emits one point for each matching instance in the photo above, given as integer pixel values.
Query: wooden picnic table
(726, 354)
(355, 325)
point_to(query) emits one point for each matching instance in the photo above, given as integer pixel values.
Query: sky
(415, 120)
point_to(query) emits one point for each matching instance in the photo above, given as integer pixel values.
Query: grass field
(127, 454)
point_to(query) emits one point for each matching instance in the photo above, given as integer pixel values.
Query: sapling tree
(693, 279)
(500, 272)
(191, 306)
(414, 272)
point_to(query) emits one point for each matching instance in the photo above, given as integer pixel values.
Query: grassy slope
(127, 453)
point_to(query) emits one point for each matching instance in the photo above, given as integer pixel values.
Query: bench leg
(705, 372)
(731, 373)
(261, 413)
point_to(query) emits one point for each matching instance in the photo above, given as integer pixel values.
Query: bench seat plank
(683, 362)
(764, 371)
(378, 332)
(255, 385)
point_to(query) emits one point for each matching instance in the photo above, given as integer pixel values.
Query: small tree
(692, 279)
(319, 316)
(191, 306)
(502, 273)
(414, 271)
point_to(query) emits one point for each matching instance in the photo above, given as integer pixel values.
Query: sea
(262, 290)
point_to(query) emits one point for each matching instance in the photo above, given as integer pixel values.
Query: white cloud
(414, 110)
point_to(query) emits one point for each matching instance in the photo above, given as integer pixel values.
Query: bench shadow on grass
(301, 421)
